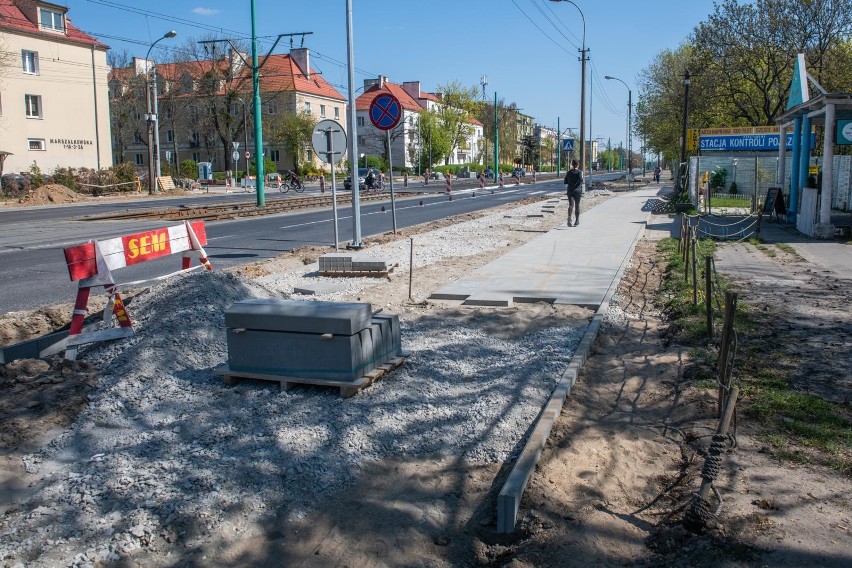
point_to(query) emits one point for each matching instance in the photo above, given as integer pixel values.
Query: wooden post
(687, 244)
(694, 270)
(725, 345)
(724, 425)
(708, 297)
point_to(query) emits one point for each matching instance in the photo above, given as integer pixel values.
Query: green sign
(844, 132)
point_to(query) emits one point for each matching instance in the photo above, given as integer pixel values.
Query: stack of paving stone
(307, 342)
(347, 264)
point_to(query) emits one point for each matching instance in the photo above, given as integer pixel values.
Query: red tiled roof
(12, 19)
(408, 103)
(280, 73)
(430, 96)
(474, 121)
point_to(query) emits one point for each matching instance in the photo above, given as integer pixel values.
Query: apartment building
(54, 105)
(406, 143)
(206, 105)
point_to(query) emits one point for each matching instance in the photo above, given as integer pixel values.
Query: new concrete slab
(568, 265)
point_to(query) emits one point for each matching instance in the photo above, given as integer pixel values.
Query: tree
(293, 130)
(456, 108)
(127, 106)
(435, 138)
(506, 127)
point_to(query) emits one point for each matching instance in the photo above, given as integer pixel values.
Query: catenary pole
(353, 131)
(258, 122)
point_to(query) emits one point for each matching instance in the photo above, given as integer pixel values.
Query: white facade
(54, 103)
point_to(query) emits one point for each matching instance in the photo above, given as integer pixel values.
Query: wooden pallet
(166, 183)
(357, 273)
(285, 383)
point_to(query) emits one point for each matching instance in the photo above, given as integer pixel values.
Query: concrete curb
(509, 499)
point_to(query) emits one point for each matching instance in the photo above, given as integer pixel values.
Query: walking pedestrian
(574, 189)
(657, 171)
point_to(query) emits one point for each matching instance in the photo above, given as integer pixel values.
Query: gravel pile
(164, 456)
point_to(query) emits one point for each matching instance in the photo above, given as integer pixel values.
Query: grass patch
(788, 249)
(799, 427)
(730, 202)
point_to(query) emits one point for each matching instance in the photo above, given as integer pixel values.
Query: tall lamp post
(245, 132)
(629, 124)
(583, 51)
(683, 132)
(153, 124)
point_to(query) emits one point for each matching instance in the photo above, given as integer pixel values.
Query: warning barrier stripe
(120, 252)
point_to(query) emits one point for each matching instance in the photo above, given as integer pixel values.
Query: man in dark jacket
(574, 187)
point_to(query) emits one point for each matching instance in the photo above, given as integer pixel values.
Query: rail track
(222, 211)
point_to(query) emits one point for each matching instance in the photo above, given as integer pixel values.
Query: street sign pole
(385, 113)
(390, 176)
(330, 142)
(329, 135)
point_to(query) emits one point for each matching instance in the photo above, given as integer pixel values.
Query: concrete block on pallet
(394, 336)
(335, 261)
(308, 355)
(339, 318)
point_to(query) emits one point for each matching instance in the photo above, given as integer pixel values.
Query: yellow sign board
(813, 170)
(692, 139)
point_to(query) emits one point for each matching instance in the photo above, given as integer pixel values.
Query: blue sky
(527, 48)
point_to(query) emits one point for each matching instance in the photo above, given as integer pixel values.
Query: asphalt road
(32, 265)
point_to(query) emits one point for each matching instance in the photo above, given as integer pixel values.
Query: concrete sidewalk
(567, 265)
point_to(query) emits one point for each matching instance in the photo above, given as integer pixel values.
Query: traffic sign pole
(329, 135)
(385, 113)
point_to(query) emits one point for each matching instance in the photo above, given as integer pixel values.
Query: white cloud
(200, 11)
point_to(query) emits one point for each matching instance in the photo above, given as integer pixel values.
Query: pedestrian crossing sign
(568, 145)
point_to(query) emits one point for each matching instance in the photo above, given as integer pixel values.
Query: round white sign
(328, 134)
(847, 131)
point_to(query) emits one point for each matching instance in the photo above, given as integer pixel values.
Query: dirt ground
(622, 461)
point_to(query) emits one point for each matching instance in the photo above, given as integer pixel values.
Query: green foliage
(189, 169)
(435, 139)
(268, 167)
(293, 130)
(717, 178)
(730, 201)
(733, 189)
(66, 177)
(36, 177)
(123, 172)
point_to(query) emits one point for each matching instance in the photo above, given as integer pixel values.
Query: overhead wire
(550, 8)
(546, 17)
(539, 28)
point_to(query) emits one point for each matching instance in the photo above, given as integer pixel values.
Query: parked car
(362, 176)
(519, 172)
(489, 173)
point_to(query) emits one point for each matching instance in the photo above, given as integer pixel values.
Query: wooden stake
(708, 298)
(694, 270)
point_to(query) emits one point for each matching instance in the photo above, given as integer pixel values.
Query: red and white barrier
(92, 264)
(482, 181)
(533, 176)
(449, 182)
(322, 184)
(501, 180)
(405, 180)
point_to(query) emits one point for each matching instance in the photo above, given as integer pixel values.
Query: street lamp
(153, 125)
(629, 124)
(583, 51)
(245, 132)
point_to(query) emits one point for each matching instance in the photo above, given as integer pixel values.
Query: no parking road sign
(567, 144)
(385, 111)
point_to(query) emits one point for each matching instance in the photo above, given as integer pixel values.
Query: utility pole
(683, 132)
(484, 82)
(496, 142)
(558, 148)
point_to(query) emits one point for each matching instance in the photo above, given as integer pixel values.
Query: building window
(310, 156)
(195, 156)
(138, 159)
(29, 62)
(336, 112)
(275, 156)
(36, 144)
(360, 121)
(361, 140)
(33, 105)
(52, 20)
(170, 136)
(307, 107)
(322, 111)
(272, 107)
(137, 138)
